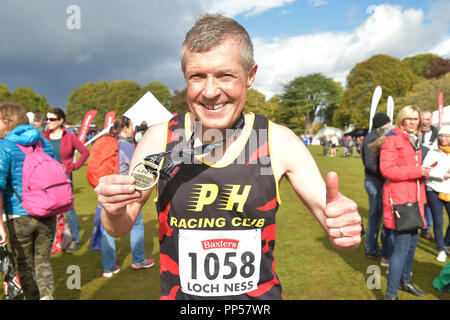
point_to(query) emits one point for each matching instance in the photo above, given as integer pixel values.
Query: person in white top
(438, 189)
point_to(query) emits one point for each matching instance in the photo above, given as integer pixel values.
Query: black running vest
(217, 222)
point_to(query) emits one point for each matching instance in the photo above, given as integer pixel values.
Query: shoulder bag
(407, 216)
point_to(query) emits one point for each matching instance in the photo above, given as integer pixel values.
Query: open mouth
(214, 107)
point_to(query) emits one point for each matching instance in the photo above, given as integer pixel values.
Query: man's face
(217, 84)
(427, 117)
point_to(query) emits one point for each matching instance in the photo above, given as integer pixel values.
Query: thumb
(332, 185)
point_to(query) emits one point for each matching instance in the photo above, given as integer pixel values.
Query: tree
(438, 67)
(304, 98)
(421, 63)
(29, 100)
(395, 78)
(4, 92)
(425, 94)
(160, 91)
(103, 96)
(178, 103)
(256, 103)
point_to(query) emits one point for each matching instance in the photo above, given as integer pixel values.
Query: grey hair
(210, 31)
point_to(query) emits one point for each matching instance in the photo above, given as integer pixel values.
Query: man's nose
(211, 88)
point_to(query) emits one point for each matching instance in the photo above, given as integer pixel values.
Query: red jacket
(70, 143)
(401, 166)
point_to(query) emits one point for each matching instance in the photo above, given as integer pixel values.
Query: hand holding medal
(148, 172)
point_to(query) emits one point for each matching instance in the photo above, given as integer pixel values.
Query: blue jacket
(11, 164)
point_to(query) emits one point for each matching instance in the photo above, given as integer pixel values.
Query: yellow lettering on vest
(192, 223)
(260, 223)
(173, 222)
(182, 224)
(236, 221)
(220, 222)
(203, 195)
(231, 196)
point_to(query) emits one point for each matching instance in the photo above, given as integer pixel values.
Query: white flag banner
(390, 108)
(373, 108)
(148, 109)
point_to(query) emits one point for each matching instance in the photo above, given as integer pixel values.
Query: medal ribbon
(151, 162)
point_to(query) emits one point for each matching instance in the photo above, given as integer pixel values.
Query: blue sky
(139, 40)
(304, 17)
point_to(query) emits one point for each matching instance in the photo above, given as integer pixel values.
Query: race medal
(146, 174)
(219, 262)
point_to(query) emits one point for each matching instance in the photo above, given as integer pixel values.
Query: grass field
(307, 265)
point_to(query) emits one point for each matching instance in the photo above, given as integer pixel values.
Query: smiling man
(220, 173)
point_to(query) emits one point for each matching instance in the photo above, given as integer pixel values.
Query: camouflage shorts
(31, 241)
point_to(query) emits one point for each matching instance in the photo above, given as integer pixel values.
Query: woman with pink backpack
(30, 237)
(64, 144)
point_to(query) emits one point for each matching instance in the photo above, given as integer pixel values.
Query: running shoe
(144, 264)
(109, 274)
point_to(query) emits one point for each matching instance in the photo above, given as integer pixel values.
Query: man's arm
(333, 211)
(117, 194)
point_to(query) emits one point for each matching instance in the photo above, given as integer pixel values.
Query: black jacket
(370, 160)
(434, 134)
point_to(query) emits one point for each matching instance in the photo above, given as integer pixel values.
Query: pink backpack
(46, 190)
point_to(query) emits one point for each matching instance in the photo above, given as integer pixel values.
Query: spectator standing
(438, 189)
(64, 144)
(38, 122)
(30, 238)
(401, 165)
(334, 145)
(373, 183)
(122, 129)
(429, 135)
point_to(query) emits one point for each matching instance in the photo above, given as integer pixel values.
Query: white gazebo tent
(327, 132)
(446, 118)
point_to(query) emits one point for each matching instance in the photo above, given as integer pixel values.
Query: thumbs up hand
(342, 219)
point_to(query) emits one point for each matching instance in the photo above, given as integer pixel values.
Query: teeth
(216, 107)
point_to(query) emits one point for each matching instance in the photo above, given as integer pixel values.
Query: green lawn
(306, 263)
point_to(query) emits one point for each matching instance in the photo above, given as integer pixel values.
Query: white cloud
(317, 3)
(389, 30)
(249, 7)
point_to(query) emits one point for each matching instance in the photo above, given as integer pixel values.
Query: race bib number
(219, 263)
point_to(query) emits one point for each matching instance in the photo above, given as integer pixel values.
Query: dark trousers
(437, 210)
(31, 241)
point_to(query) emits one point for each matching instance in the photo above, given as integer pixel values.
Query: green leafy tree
(421, 63)
(4, 92)
(29, 100)
(256, 103)
(395, 78)
(102, 96)
(178, 103)
(304, 99)
(425, 94)
(160, 91)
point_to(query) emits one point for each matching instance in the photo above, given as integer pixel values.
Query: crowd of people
(406, 166)
(350, 146)
(32, 239)
(207, 201)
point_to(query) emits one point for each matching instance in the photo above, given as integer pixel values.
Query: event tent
(446, 118)
(326, 132)
(148, 109)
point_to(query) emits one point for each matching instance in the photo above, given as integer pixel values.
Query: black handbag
(407, 216)
(11, 284)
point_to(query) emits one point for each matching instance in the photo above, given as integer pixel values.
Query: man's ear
(251, 75)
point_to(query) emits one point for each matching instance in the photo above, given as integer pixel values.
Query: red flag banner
(441, 108)
(88, 117)
(109, 119)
